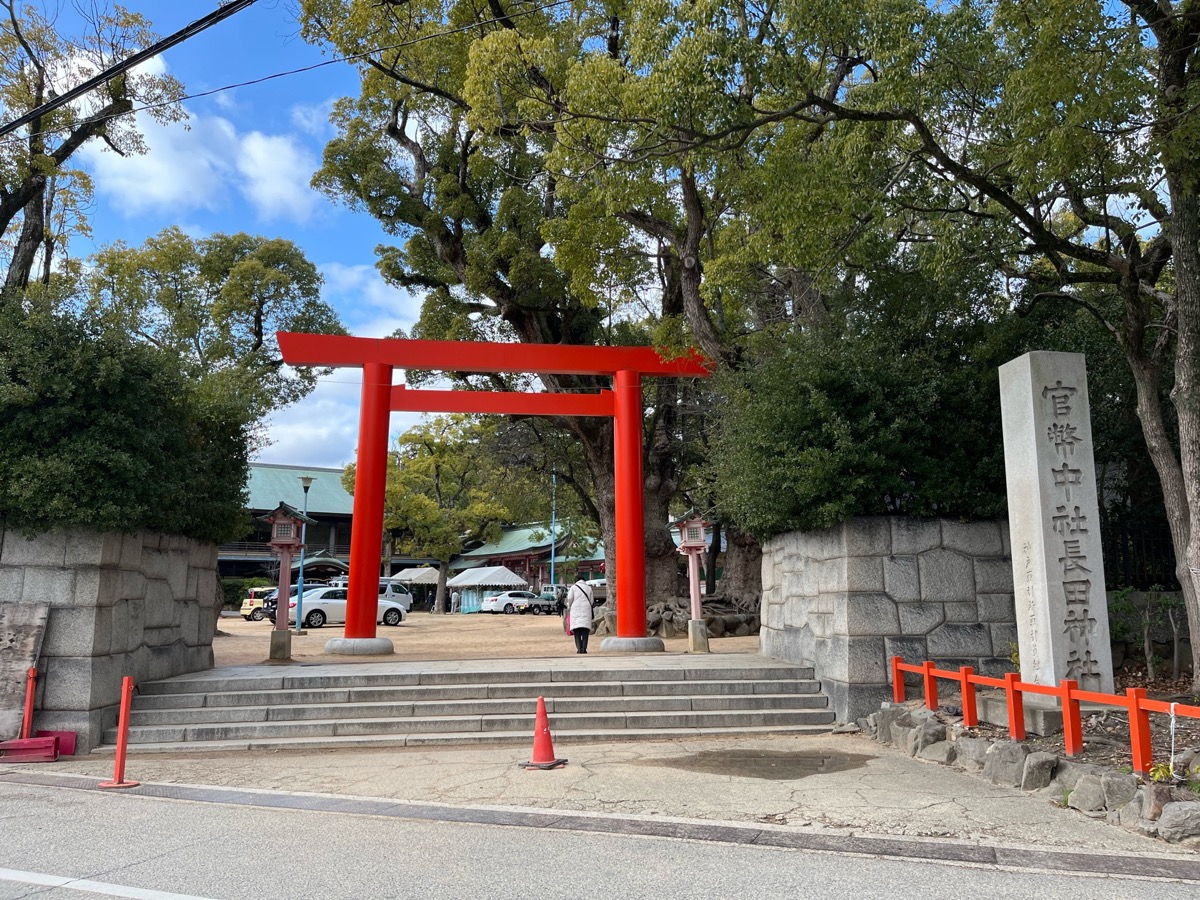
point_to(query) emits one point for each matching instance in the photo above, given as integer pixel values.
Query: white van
(396, 591)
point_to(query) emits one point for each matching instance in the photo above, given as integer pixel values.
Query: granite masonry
(846, 599)
(139, 604)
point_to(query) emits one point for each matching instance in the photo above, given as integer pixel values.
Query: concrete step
(482, 691)
(185, 684)
(492, 701)
(288, 712)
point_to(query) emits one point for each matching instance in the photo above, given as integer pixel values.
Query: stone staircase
(382, 705)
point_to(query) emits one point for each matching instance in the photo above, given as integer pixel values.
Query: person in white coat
(579, 614)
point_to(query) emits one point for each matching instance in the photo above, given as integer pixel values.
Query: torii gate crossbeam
(378, 358)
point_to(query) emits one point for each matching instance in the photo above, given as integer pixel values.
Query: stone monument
(1054, 521)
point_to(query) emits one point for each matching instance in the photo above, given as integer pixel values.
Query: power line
(217, 15)
(285, 74)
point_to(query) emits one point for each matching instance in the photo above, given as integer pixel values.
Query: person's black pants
(581, 639)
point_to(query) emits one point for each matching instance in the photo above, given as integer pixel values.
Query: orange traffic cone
(543, 746)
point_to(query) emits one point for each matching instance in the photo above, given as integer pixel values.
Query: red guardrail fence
(1135, 702)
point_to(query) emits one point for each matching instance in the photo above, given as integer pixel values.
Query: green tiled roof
(271, 483)
(523, 539)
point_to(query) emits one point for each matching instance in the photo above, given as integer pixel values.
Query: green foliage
(101, 432)
(894, 412)
(234, 589)
(217, 303)
(1163, 771)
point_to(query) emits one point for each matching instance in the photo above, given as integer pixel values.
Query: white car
(508, 602)
(328, 605)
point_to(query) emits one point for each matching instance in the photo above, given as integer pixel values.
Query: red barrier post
(1139, 730)
(123, 733)
(969, 707)
(1072, 722)
(931, 698)
(897, 681)
(1016, 707)
(27, 719)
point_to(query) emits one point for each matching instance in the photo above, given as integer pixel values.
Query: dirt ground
(424, 635)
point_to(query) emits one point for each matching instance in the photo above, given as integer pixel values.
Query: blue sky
(242, 162)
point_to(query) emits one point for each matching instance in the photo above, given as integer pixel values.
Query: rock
(1119, 789)
(1179, 821)
(1088, 795)
(1131, 811)
(1004, 763)
(971, 752)
(1183, 760)
(1157, 797)
(902, 738)
(889, 716)
(1038, 771)
(942, 752)
(923, 735)
(1068, 772)
(848, 728)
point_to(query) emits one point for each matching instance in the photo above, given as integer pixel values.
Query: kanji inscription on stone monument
(1062, 612)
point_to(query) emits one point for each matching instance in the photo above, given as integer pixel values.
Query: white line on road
(94, 887)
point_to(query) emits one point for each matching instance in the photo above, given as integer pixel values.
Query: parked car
(507, 602)
(327, 605)
(542, 603)
(396, 592)
(252, 606)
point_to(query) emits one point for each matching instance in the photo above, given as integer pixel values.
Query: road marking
(93, 887)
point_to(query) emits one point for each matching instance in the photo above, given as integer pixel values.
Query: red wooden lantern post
(692, 543)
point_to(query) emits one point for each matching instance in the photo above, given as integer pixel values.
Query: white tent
(475, 584)
(426, 575)
(492, 576)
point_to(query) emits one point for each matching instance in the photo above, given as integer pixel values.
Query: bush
(817, 428)
(101, 432)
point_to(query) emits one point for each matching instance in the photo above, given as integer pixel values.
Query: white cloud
(369, 306)
(322, 429)
(313, 118)
(197, 164)
(276, 170)
(184, 169)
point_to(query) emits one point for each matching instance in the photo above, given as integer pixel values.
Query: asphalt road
(67, 843)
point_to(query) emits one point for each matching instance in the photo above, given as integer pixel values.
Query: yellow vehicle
(252, 606)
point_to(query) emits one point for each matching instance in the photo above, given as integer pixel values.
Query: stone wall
(138, 604)
(846, 599)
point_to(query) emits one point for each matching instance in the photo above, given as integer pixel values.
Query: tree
(474, 205)
(41, 197)
(99, 431)
(441, 491)
(216, 303)
(1054, 144)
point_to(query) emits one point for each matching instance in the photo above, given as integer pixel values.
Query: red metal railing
(1135, 702)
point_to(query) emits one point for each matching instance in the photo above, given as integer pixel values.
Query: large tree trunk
(661, 484)
(741, 578)
(1171, 477)
(1185, 233)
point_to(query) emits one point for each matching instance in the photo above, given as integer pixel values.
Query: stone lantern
(287, 524)
(692, 543)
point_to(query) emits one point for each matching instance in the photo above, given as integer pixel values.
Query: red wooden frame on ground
(1135, 701)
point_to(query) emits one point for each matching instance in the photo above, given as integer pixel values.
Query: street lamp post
(306, 482)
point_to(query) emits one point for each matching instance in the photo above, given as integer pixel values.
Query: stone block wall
(847, 599)
(139, 604)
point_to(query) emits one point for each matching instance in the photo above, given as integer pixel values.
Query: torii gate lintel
(378, 359)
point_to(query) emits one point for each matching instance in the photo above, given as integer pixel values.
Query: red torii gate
(379, 356)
